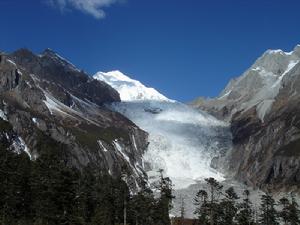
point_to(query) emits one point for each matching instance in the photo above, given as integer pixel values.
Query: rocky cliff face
(46, 97)
(263, 108)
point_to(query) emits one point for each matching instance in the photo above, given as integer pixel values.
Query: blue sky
(183, 48)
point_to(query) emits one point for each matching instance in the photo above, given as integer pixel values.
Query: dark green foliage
(202, 206)
(245, 213)
(208, 207)
(5, 126)
(142, 208)
(284, 214)
(269, 215)
(293, 212)
(290, 211)
(228, 208)
(48, 191)
(164, 203)
(14, 188)
(217, 207)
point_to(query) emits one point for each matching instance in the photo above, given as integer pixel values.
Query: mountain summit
(46, 99)
(258, 87)
(129, 89)
(263, 107)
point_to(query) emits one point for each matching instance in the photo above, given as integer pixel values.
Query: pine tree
(228, 207)
(164, 203)
(215, 189)
(201, 203)
(293, 212)
(142, 207)
(245, 213)
(182, 210)
(15, 199)
(284, 213)
(268, 214)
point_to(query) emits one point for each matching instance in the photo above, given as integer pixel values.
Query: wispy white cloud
(91, 7)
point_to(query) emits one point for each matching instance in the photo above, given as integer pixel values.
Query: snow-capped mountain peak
(260, 85)
(129, 89)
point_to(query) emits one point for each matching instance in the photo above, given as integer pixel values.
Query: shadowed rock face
(54, 68)
(46, 96)
(263, 108)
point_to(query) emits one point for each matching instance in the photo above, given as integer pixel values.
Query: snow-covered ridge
(261, 83)
(129, 89)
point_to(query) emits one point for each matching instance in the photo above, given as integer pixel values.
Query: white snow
(35, 120)
(134, 143)
(182, 141)
(256, 69)
(291, 65)
(129, 89)
(265, 88)
(119, 148)
(225, 95)
(19, 145)
(135, 168)
(12, 62)
(25, 148)
(268, 94)
(263, 108)
(101, 145)
(2, 115)
(54, 105)
(275, 51)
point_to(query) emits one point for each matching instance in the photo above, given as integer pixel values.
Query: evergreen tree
(284, 213)
(202, 209)
(15, 198)
(228, 207)
(268, 214)
(182, 210)
(164, 203)
(142, 207)
(245, 213)
(293, 212)
(215, 189)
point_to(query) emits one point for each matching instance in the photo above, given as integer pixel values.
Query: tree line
(215, 206)
(47, 191)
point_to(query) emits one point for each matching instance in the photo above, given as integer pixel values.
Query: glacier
(182, 141)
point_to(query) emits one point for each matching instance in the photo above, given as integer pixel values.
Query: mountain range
(110, 122)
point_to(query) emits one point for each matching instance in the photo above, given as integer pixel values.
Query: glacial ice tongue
(182, 141)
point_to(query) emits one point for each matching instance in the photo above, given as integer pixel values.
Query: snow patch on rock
(2, 115)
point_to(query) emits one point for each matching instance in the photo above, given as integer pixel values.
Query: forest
(215, 206)
(48, 191)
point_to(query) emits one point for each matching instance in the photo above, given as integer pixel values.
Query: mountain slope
(46, 97)
(263, 108)
(256, 88)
